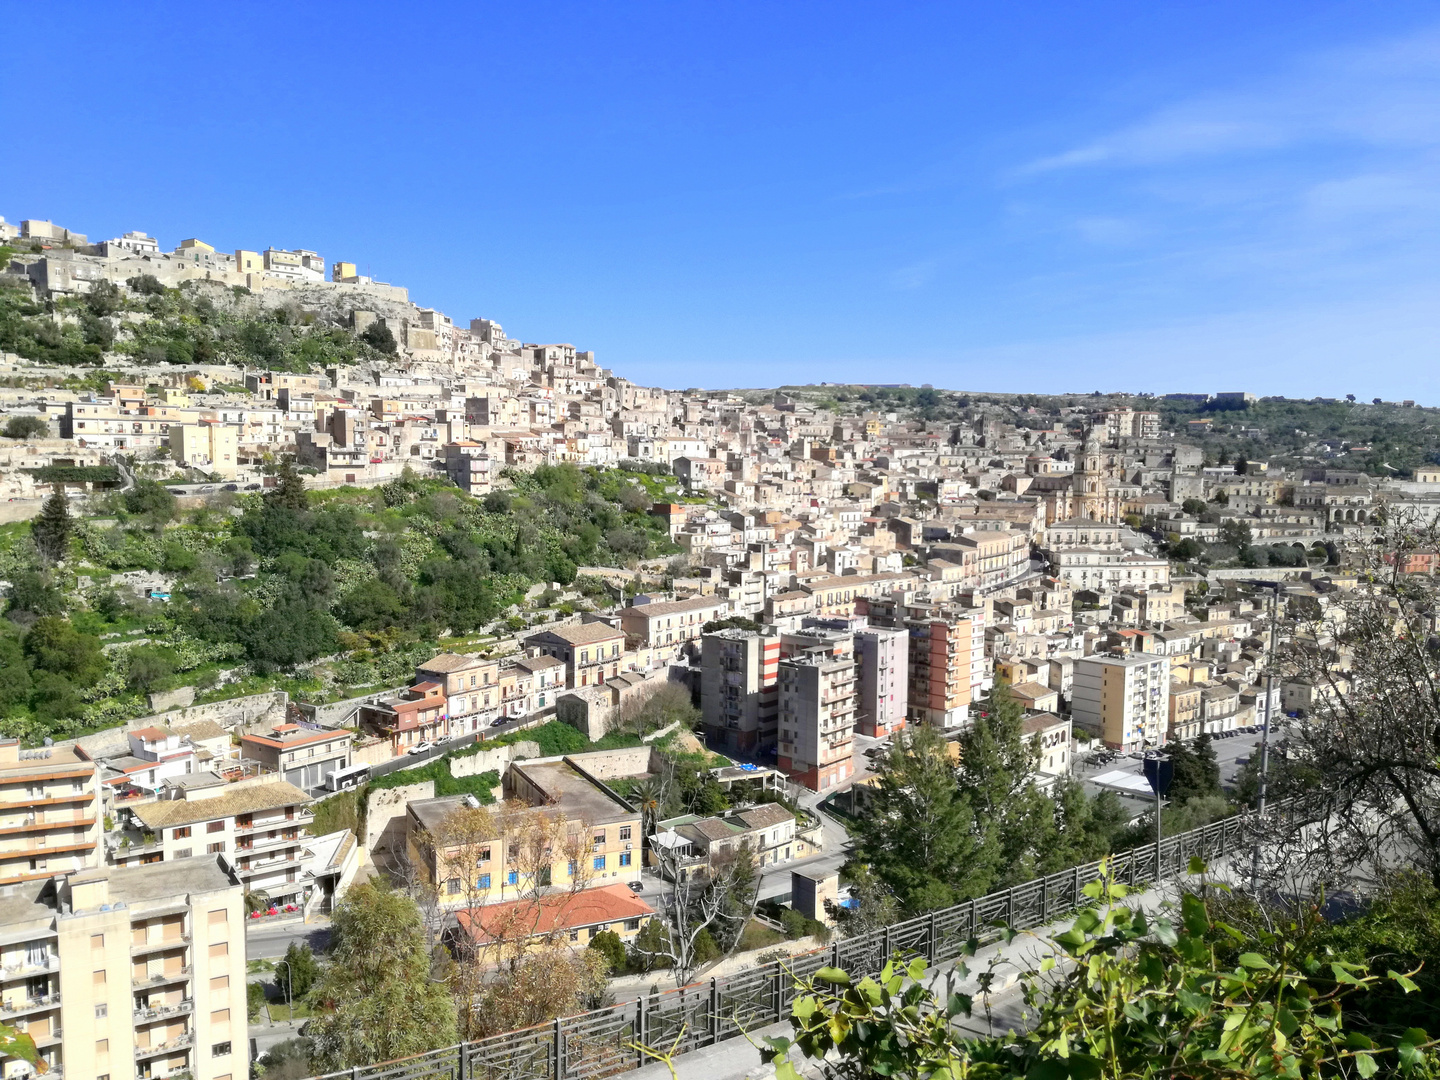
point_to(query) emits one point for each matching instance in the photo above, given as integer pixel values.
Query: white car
(421, 748)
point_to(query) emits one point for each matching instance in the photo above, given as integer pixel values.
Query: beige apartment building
(120, 973)
(817, 708)
(669, 625)
(49, 812)
(589, 651)
(1124, 700)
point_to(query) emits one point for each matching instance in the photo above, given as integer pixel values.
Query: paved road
(267, 942)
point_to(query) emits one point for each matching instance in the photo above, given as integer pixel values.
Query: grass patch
(757, 935)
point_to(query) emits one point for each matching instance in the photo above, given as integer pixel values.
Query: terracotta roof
(558, 912)
(201, 730)
(272, 796)
(583, 634)
(448, 662)
(765, 815)
(675, 607)
(291, 739)
(151, 734)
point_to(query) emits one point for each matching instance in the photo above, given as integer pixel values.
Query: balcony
(301, 816)
(163, 1012)
(265, 843)
(31, 966)
(178, 975)
(180, 1042)
(265, 866)
(25, 1005)
(158, 946)
(31, 823)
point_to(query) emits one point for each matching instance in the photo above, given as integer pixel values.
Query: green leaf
(1165, 932)
(916, 970)
(1364, 1065)
(1355, 1041)
(1194, 915)
(785, 1070)
(1410, 1053)
(834, 975)
(1197, 864)
(958, 1004)
(1343, 976)
(804, 1007)
(1255, 962)
(1403, 981)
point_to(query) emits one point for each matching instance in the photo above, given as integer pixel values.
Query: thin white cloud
(1386, 95)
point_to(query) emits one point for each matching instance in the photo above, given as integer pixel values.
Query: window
(512, 878)
(570, 868)
(182, 853)
(632, 924)
(484, 856)
(181, 833)
(624, 858)
(220, 1049)
(102, 1011)
(97, 941)
(219, 950)
(220, 1018)
(102, 1047)
(452, 886)
(484, 882)
(215, 826)
(216, 849)
(219, 983)
(624, 832)
(599, 862)
(574, 935)
(219, 917)
(600, 838)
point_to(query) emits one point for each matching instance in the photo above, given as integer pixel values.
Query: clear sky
(1024, 197)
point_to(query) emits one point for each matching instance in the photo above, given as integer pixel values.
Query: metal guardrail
(596, 1044)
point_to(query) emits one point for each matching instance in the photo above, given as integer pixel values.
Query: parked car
(499, 720)
(421, 748)
(636, 886)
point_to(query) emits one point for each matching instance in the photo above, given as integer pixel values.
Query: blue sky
(1054, 196)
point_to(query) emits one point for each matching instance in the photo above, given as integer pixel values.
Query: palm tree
(647, 795)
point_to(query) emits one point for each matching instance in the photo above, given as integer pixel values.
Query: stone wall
(610, 764)
(385, 820)
(254, 708)
(498, 759)
(338, 714)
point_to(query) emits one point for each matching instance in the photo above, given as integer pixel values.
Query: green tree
(918, 834)
(375, 999)
(608, 944)
(34, 593)
(15, 683)
(289, 493)
(1196, 773)
(254, 999)
(148, 666)
(25, 427)
(297, 973)
(155, 501)
(379, 336)
(54, 645)
(51, 530)
(1195, 507)
(1236, 533)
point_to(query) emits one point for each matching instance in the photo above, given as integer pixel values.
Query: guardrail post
(642, 1037)
(885, 944)
(559, 1055)
(714, 1009)
(463, 1073)
(933, 938)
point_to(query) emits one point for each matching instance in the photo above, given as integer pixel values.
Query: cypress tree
(51, 530)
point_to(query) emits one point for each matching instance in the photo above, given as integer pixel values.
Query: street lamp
(1274, 589)
(289, 978)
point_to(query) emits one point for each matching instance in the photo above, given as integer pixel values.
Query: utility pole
(1274, 587)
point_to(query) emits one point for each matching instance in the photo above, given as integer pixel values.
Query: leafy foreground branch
(1121, 995)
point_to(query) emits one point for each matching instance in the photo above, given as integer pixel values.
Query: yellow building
(136, 972)
(49, 813)
(343, 271)
(196, 246)
(212, 447)
(249, 262)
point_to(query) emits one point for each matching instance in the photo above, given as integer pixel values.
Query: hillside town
(834, 579)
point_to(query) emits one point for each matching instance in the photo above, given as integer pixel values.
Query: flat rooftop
(575, 793)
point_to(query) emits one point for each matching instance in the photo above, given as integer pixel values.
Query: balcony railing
(39, 1001)
(163, 977)
(180, 1042)
(157, 946)
(30, 966)
(162, 1012)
